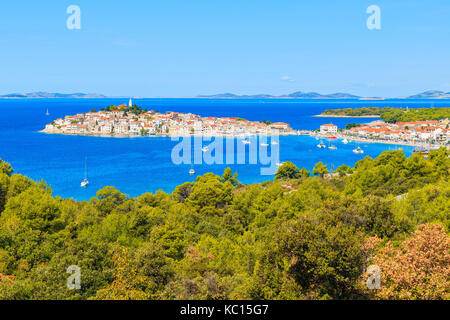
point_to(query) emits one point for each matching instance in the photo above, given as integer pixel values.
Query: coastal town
(131, 120)
(429, 133)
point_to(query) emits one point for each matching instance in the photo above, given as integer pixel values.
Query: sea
(136, 165)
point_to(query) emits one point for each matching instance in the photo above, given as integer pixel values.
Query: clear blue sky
(176, 48)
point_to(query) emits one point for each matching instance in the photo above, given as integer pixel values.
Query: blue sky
(175, 48)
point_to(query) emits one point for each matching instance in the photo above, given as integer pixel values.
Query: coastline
(108, 135)
(338, 116)
(298, 133)
(359, 139)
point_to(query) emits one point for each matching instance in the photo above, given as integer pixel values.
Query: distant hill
(296, 95)
(232, 96)
(431, 94)
(315, 95)
(48, 95)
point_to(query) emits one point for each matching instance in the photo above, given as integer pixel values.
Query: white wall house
(328, 128)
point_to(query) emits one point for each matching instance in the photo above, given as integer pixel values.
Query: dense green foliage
(136, 110)
(298, 237)
(348, 126)
(393, 115)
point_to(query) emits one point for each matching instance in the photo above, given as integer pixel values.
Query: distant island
(432, 94)
(295, 95)
(47, 95)
(391, 115)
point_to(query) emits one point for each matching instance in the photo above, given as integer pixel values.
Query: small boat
(47, 113)
(358, 150)
(85, 182)
(321, 145)
(332, 147)
(246, 141)
(345, 141)
(279, 164)
(264, 144)
(205, 149)
(192, 172)
(275, 143)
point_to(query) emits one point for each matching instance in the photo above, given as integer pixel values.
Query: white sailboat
(192, 171)
(246, 141)
(321, 145)
(345, 141)
(358, 150)
(205, 149)
(331, 146)
(47, 113)
(85, 182)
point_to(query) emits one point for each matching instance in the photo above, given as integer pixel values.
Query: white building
(328, 128)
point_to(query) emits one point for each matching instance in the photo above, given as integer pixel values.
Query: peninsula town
(132, 120)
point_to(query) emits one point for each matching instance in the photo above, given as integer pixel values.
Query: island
(132, 120)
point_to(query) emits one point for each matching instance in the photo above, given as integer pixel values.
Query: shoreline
(108, 135)
(338, 116)
(359, 139)
(299, 133)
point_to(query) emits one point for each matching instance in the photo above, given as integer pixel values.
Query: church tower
(130, 103)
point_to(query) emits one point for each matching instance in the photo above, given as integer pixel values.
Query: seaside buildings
(328, 128)
(123, 120)
(431, 131)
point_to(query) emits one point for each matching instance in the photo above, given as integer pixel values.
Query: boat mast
(85, 169)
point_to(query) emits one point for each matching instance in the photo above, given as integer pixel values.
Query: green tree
(320, 169)
(287, 170)
(229, 176)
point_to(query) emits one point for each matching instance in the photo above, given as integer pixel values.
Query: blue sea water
(143, 164)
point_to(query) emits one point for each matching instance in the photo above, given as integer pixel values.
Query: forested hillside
(298, 237)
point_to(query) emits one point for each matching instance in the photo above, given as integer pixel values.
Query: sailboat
(358, 150)
(85, 182)
(192, 171)
(345, 141)
(47, 113)
(321, 145)
(205, 149)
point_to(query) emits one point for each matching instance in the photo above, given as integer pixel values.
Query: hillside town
(130, 120)
(430, 132)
